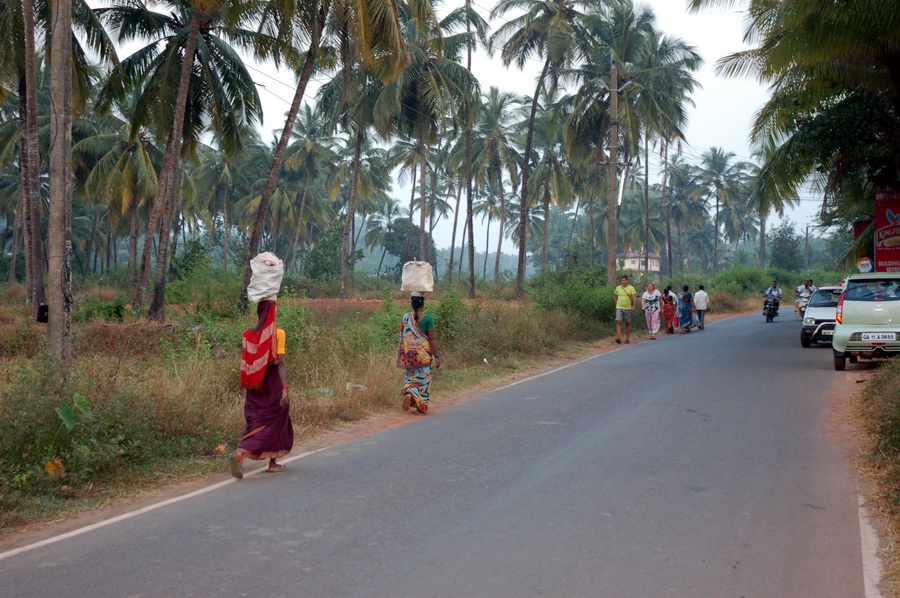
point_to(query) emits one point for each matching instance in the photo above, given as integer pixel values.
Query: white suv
(867, 318)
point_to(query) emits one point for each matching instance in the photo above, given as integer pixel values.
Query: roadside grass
(147, 405)
(879, 408)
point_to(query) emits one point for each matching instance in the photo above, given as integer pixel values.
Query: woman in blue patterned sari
(417, 354)
(686, 310)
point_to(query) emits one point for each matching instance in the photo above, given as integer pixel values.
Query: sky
(722, 115)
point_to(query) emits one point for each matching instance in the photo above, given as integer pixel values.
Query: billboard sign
(887, 231)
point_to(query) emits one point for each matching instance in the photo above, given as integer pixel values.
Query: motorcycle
(802, 301)
(770, 309)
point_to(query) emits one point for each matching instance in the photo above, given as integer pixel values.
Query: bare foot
(275, 467)
(237, 465)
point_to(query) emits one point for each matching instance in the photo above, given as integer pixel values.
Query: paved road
(695, 466)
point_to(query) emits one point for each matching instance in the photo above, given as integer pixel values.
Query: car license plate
(827, 332)
(879, 336)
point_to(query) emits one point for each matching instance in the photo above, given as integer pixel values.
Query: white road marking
(871, 548)
(147, 509)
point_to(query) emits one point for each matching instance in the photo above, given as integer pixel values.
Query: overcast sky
(721, 117)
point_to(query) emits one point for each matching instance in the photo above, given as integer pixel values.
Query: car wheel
(805, 342)
(840, 362)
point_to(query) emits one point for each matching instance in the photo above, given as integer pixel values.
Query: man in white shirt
(701, 303)
(773, 293)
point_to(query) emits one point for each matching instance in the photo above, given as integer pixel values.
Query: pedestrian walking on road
(669, 302)
(686, 309)
(269, 433)
(626, 302)
(701, 303)
(651, 303)
(418, 354)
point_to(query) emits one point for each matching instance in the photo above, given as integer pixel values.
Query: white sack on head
(265, 282)
(418, 277)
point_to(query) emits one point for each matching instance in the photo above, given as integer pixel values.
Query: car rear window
(887, 289)
(824, 299)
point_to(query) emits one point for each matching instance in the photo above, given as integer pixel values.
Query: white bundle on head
(265, 282)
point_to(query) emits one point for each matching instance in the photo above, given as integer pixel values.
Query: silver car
(868, 318)
(818, 320)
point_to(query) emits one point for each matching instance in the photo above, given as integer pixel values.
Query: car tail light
(839, 317)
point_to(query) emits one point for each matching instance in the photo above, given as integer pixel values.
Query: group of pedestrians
(684, 310)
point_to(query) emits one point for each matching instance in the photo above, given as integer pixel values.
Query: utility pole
(807, 249)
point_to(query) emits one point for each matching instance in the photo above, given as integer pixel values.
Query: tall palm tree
(369, 29)
(197, 35)
(495, 153)
(311, 155)
(122, 168)
(545, 28)
(414, 104)
(721, 177)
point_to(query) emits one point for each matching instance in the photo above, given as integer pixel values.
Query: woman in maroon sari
(269, 433)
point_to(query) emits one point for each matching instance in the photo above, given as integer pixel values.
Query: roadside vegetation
(880, 411)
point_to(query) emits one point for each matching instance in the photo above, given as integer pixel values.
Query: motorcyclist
(773, 294)
(804, 292)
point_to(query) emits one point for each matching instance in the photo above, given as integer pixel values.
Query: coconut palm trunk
(60, 223)
(612, 210)
(762, 240)
(132, 243)
(312, 54)
(666, 208)
(647, 203)
(226, 226)
(453, 235)
(546, 240)
(423, 207)
(526, 172)
(170, 159)
(412, 209)
(351, 213)
(299, 226)
(16, 238)
(500, 232)
(173, 194)
(31, 167)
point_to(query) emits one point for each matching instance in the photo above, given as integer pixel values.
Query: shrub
(109, 311)
(385, 324)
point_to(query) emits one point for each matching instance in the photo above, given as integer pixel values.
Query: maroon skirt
(269, 433)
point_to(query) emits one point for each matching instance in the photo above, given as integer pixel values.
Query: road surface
(700, 465)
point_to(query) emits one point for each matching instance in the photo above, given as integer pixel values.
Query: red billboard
(887, 231)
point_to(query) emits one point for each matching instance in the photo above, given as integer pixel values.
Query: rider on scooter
(804, 292)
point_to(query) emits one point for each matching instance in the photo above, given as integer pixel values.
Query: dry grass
(879, 416)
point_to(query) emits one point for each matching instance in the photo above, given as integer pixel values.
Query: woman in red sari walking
(669, 301)
(269, 433)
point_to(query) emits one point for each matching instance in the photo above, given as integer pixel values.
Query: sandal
(277, 469)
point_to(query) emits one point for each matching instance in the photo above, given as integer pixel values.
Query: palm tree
(380, 225)
(195, 36)
(369, 29)
(549, 29)
(552, 183)
(414, 104)
(122, 171)
(494, 152)
(311, 155)
(720, 177)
